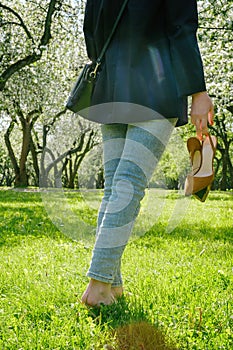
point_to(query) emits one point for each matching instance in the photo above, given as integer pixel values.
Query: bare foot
(117, 291)
(97, 293)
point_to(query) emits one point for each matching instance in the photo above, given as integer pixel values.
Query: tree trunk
(223, 181)
(35, 162)
(74, 165)
(225, 140)
(100, 179)
(231, 179)
(23, 180)
(11, 151)
(230, 167)
(71, 174)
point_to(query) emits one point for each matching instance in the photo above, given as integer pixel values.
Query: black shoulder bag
(80, 96)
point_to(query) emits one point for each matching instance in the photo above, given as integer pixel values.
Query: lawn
(178, 276)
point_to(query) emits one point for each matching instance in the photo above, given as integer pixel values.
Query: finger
(197, 123)
(211, 115)
(195, 119)
(204, 127)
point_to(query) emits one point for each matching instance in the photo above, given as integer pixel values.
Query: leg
(111, 134)
(113, 137)
(143, 147)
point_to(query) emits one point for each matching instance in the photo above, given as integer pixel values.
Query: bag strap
(99, 59)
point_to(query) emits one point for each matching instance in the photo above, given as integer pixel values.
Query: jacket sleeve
(89, 30)
(182, 24)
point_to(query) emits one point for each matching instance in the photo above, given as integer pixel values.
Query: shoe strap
(211, 143)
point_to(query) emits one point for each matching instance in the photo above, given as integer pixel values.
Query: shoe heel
(202, 194)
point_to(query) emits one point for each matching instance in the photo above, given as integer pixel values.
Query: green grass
(181, 282)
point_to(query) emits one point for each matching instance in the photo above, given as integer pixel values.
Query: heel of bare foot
(97, 293)
(117, 291)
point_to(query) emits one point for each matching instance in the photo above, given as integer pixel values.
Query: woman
(153, 62)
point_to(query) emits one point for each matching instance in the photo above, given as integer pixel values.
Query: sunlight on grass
(178, 285)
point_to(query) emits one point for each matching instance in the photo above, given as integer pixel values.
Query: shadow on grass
(130, 327)
(158, 237)
(18, 222)
(13, 195)
(24, 215)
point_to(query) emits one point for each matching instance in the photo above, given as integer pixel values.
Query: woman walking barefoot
(153, 62)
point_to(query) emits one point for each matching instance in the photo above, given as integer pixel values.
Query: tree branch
(215, 28)
(56, 117)
(36, 55)
(230, 109)
(10, 23)
(48, 21)
(61, 157)
(15, 67)
(34, 115)
(19, 113)
(34, 159)
(22, 24)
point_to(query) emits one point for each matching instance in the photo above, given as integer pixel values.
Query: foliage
(68, 143)
(42, 49)
(34, 96)
(216, 37)
(173, 166)
(91, 171)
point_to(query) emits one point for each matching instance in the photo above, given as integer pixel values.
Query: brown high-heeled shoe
(198, 183)
(194, 148)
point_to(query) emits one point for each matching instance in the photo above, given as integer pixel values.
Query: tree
(6, 171)
(42, 52)
(13, 18)
(37, 81)
(65, 145)
(27, 123)
(216, 37)
(12, 62)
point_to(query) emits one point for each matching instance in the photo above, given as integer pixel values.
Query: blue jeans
(131, 153)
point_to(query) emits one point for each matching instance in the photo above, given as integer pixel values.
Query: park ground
(178, 282)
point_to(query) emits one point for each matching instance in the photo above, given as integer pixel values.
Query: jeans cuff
(100, 278)
(117, 284)
(105, 265)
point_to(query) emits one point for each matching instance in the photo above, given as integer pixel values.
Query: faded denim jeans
(131, 153)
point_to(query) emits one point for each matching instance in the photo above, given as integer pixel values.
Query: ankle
(117, 291)
(101, 286)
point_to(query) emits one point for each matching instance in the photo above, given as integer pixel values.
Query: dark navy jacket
(153, 59)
